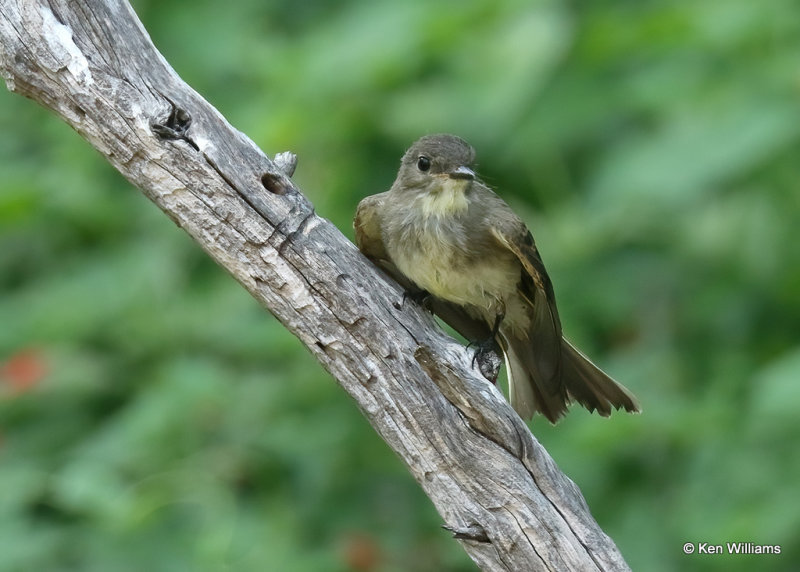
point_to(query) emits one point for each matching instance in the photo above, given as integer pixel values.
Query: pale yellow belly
(486, 284)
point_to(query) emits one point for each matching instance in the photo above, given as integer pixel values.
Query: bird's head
(436, 163)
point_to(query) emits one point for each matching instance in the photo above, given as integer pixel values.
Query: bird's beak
(462, 172)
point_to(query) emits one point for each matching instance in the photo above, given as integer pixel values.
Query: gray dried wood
(496, 488)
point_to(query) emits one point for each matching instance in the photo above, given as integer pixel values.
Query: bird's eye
(423, 163)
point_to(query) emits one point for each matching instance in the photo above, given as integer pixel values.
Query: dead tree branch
(496, 488)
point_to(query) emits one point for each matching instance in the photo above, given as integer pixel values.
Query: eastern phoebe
(441, 231)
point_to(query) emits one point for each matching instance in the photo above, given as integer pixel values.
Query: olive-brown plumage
(441, 230)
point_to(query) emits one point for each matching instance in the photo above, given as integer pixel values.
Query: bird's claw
(421, 297)
(488, 358)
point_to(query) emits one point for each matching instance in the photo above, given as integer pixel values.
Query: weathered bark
(494, 485)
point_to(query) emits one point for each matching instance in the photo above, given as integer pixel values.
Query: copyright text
(730, 548)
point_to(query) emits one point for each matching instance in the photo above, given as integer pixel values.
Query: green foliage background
(153, 417)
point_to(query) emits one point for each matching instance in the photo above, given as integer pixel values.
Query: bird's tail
(577, 379)
(591, 386)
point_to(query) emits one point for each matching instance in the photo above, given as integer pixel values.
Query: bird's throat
(447, 198)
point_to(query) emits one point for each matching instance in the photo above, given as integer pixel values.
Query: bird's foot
(488, 357)
(421, 297)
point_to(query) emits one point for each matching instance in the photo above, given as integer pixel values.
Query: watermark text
(730, 548)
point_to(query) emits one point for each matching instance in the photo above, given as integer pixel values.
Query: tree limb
(494, 485)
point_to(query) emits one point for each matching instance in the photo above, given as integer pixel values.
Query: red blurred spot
(23, 370)
(361, 552)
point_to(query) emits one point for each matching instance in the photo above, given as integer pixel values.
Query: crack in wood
(300, 229)
(227, 180)
(474, 532)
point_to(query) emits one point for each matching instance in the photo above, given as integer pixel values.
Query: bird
(449, 239)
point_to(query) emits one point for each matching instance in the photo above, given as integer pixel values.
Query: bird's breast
(450, 257)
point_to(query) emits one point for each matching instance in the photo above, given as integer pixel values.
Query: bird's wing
(556, 365)
(545, 330)
(367, 226)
